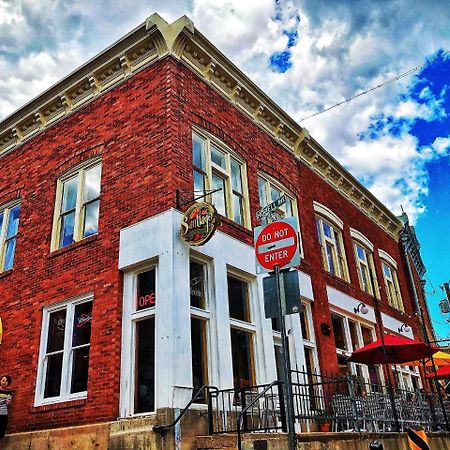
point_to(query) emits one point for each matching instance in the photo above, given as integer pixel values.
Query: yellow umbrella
(440, 359)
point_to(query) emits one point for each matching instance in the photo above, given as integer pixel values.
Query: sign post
(276, 247)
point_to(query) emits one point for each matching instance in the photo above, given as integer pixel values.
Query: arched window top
(326, 213)
(388, 258)
(360, 238)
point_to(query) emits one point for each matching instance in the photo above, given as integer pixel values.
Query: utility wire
(367, 91)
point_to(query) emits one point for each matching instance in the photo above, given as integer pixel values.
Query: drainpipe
(420, 315)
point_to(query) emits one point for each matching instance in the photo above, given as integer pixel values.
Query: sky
(307, 56)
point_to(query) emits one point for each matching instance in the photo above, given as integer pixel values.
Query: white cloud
(343, 48)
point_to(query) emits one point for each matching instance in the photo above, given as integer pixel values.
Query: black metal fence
(341, 403)
(351, 403)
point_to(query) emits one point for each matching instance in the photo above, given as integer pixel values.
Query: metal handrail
(241, 414)
(162, 429)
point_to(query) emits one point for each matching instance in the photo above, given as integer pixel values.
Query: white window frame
(248, 327)
(391, 284)
(204, 314)
(224, 173)
(348, 337)
(326, 216)
(5, 210)
(367, 265)
(270, 182)
(137, 316)
(79, 171)
(66, 370)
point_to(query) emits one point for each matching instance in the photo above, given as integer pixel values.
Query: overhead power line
(367, 91)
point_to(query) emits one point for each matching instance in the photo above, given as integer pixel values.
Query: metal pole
(386, 362)
(287, 391)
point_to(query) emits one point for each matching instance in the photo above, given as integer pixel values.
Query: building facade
(107, 313)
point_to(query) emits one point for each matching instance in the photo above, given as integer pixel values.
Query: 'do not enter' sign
(277, 244)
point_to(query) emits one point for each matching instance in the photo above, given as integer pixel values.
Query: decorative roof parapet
(156, 39)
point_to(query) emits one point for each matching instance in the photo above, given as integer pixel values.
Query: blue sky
(306, 55)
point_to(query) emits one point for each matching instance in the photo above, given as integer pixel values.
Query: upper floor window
(9, 224)
(269, 191)
(389, 267)
(64, 357)
(329, 230)
(364, 263)
(215, 168)
(77, 205)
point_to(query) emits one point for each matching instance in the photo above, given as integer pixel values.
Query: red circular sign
(276, 245)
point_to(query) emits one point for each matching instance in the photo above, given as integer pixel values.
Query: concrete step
(250, 441)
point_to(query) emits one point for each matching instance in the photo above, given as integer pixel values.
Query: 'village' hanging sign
(199, 223)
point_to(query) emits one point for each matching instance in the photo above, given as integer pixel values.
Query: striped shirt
(5, 396)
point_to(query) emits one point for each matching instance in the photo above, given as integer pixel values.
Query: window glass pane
(329, 250)
(2, 215)
(67, 228)
(56, 329)
(80, 366)
(199, 183)
(9, 254)
(238, 299)
(319, 234)
(275, 193)
(69, 197)
(146, 293)
(275, 324)
(343, 366)
(288, 206)
(82, 324)
(353, 335)
(387, 271)
(262, 192)
(367, 335)
(145, 366)
(364, 278)
(236, 181)
(339, 332)
(361, 253)
(199, 358)
(217, 157)
(91, 218)
(304, 324)
(198, 152)
(197, 283)
(218, 198)
(242, 355)
(237, 209)
(327, 231)
(53, 375)
(13, 222)
(92, 183)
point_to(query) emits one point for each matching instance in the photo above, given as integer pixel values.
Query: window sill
(59, 405)
(232, 223)
(73, 246)
(6, 273)
(337, 279)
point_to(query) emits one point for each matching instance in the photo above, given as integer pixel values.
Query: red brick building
(89, 175)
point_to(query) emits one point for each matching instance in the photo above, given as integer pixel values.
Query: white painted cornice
(156, 39)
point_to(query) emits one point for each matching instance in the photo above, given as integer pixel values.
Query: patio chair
(343, 418)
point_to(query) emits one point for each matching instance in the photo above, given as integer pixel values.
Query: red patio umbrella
(440, 374)
(399, 350)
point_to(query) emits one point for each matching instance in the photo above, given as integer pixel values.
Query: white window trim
(6, 210)
(272, 181)
(65, 394)
(388, 258)
(335, 242)
(56, 227)
(358, 236)
(372, 284)
(325, 212)
(210, 168)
